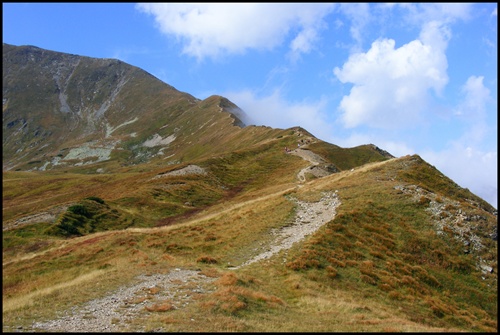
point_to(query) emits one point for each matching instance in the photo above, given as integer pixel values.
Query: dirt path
(309, 218)
(176, 289)
(314, 159)
(112, 313)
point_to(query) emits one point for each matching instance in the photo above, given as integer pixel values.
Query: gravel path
(310, 217)
(175, 290)
(313, 169)
(112, 313)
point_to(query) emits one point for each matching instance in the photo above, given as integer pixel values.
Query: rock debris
(113, 312)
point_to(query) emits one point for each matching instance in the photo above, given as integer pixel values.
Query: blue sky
(409, 78)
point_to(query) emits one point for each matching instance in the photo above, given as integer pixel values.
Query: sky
(410, 78)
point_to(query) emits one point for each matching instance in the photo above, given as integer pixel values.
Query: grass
(378, 266)
(389, 247)
(28, 300)
(386, 263)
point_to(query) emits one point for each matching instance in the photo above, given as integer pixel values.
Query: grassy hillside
(385, 262)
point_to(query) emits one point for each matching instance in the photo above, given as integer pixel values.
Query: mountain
(61, 109)
(131, 206)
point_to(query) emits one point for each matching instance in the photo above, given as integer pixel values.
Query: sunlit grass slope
(380, 265)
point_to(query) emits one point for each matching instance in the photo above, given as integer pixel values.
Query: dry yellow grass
(9, 304)
(261, 297)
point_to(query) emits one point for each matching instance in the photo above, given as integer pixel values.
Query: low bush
(206, 260)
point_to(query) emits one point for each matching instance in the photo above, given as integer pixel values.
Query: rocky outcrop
(449, 217)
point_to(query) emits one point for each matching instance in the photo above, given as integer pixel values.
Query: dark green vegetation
(188, 186)
(90, 215)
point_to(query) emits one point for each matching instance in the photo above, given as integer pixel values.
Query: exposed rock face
(52, 100)
(382, 152)
(190, 169)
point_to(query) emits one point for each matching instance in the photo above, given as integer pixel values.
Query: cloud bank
(215, 29)
(275, 111)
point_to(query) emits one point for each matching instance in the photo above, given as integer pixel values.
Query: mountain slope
(142, 208)
(395, 247)
(61, 109)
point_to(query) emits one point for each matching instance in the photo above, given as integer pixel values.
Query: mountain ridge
(99, 124)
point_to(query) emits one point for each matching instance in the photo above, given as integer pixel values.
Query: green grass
(431, 179)
(378, 266)
(346, 158)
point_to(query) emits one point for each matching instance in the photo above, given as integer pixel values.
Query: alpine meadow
(129, 205)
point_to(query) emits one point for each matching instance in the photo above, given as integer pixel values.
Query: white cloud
(476, 95)
(435, 35)
(442, 12)
(391, 90)
(447, 12)
(391, 84)
(472, 109)
(274, 111)
(302, 43)
(215, 29)
(359, 14)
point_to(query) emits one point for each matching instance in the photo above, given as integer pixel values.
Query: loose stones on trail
(309, 218)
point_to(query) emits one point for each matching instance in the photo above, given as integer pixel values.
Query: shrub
(438, 308)
(410, 281)
(351, 262)
(227, 279)
(163, 307)
(78, 209)
(331, 272)
(368, 279)
(206, 260)
(366, 267)
(298, 264)
(66, 227)
(385, 287)
(395, 295)
(234, 295)
(376, 253)
(450, 207)
(336, 262)
(424, 201)
(210, 237)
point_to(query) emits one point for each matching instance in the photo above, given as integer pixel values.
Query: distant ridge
(63, 110)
